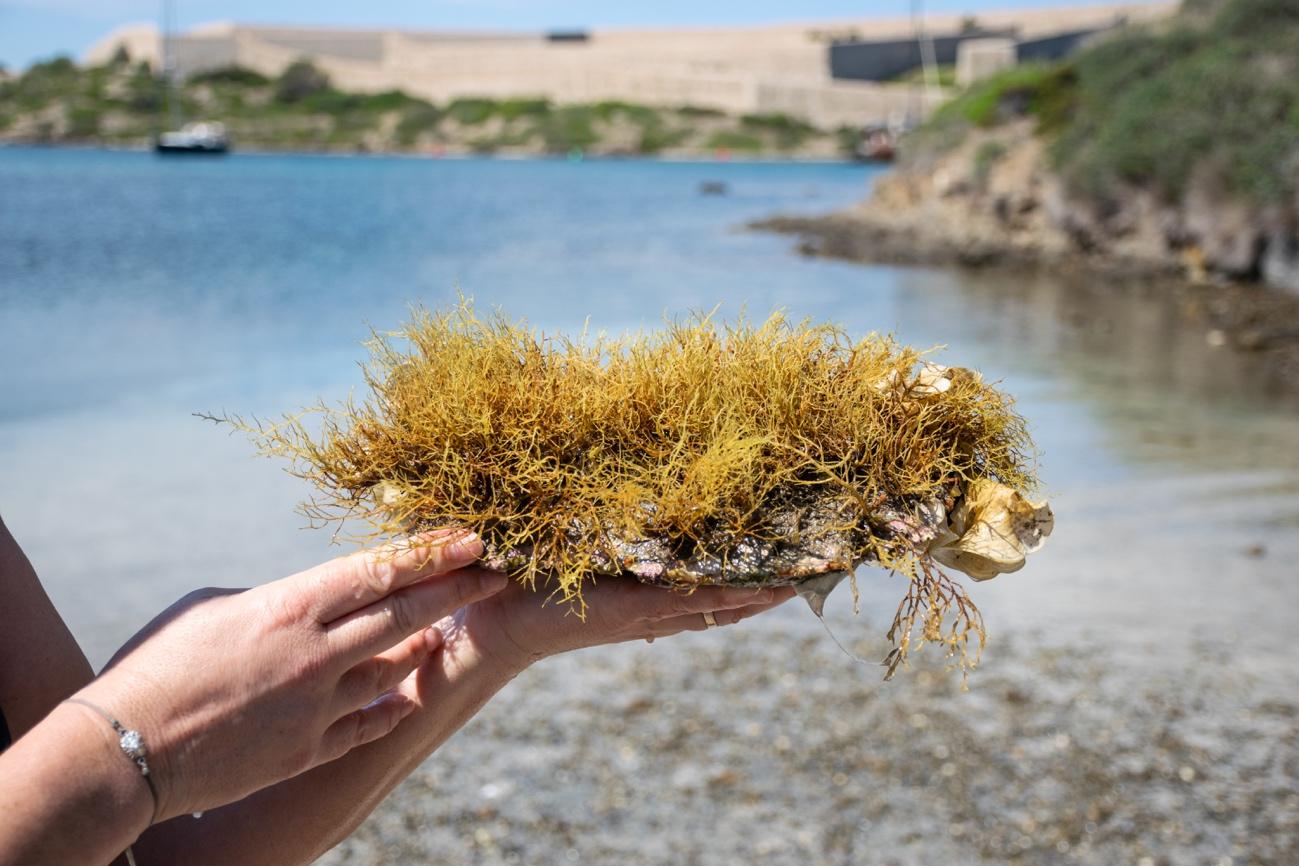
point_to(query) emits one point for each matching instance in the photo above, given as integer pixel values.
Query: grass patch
(655, 139)
(985, 157)
(699, 111)
(946, 76)
(415, 121)
(569, 127)
(471, 112)
(1220, 92)
(728, 139)
(1216, 89)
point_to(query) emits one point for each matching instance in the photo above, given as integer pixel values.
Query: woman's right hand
(237, 690)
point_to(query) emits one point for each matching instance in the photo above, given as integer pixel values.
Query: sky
(38, 29)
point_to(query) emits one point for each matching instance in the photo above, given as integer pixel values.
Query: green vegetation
(985, 157)
(1215, 90)
(946, 76)
(122, 103)
(789, 132)
(231, 75)
(731, 140)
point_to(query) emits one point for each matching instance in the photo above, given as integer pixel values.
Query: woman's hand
(519, 626)
(234, 691)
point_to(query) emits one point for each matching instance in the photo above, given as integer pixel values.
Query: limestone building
(780, 68)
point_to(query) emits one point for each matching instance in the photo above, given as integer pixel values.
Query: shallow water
(138, 290)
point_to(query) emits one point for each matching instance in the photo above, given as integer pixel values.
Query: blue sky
(34, 29)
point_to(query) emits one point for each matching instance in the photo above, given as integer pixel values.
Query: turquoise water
(135, 291)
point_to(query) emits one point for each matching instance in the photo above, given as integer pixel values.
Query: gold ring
(710, 621)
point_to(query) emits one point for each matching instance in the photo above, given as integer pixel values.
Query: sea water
(136, 291)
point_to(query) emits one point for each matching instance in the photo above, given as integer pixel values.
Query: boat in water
(875, 143)
(201, 137)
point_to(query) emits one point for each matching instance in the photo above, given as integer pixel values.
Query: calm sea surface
(135, 291)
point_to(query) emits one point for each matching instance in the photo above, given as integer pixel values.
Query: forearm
(40, 662)
(298, 820)
(68, 795)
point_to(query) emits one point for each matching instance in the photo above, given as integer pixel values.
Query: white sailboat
(199, 137)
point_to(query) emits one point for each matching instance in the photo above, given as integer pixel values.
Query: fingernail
(407, 705)
(432, 638)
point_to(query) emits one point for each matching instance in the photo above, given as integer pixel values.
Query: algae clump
(703, 453)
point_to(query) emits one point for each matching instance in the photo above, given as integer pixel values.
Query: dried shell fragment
(992, 530)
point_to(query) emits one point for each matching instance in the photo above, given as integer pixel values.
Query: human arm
(299, 661)
(40, 661)
(487, 644)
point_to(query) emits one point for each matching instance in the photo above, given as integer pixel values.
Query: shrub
(83, 121)
(389, 100)
(512, 109)
(234, 74)
(985, 157)
(416, 120)
(654, 139)
(299, 81)
(777, 122)
(699, 111)
(470, 111)
(1218, 91)
(335, 102)
(569, 127)
(729, 139)
(642, 115)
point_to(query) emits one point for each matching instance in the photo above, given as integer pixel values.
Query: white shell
(992, 531)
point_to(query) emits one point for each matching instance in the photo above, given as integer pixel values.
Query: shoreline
(1246, 318)
(701, 158)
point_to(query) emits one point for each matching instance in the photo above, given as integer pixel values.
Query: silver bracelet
(132, 745)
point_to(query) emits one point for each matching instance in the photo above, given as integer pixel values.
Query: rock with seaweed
(767, 454)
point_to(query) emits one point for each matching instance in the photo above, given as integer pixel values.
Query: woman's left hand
(519, 626)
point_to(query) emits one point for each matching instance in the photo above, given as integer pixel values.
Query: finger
(350, 583)
(642, 603)
(383, 624)
(377, 719)
(385, 671)
(696, 621)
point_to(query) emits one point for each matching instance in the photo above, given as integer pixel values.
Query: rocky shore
(1135, 705)
(991, 204)
(764, 744)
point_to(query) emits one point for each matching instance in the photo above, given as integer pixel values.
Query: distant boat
(203, 137)
(198, 137)
(875, 143)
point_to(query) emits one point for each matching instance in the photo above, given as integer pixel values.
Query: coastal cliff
(1165, 149)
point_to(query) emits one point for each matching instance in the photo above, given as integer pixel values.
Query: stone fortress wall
(778, 68)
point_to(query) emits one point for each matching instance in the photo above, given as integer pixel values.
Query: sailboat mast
(928, 55)
(169, 63)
